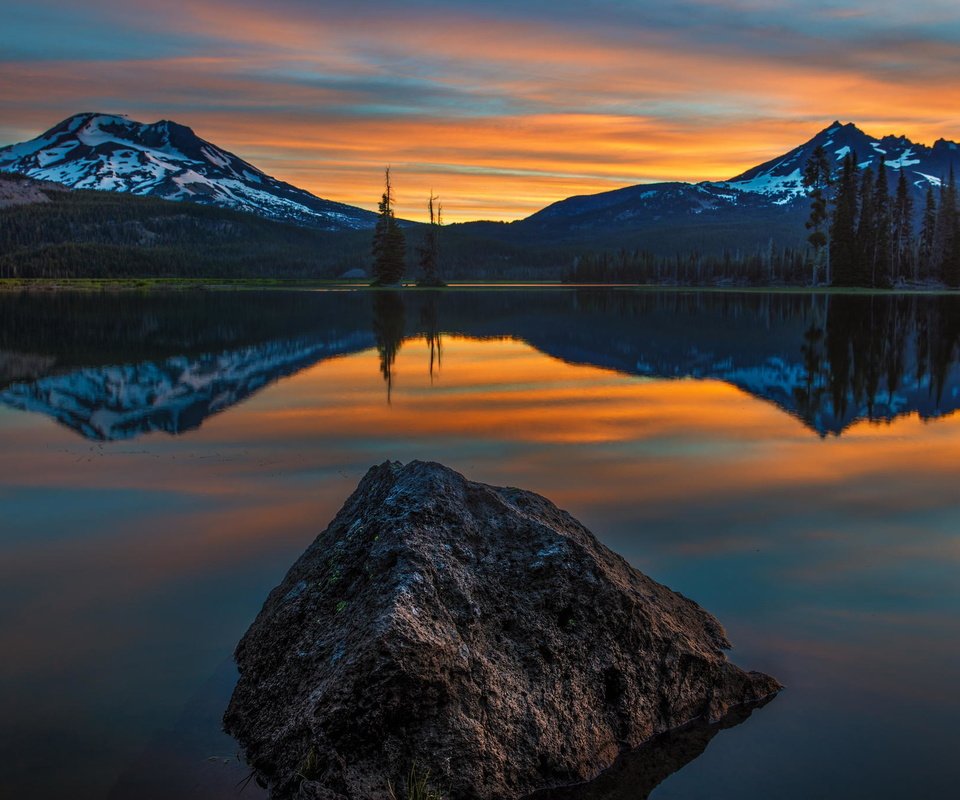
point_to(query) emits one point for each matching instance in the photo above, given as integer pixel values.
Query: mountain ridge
(750, 215)
(774, 184)
(120, 155)
(167, 160)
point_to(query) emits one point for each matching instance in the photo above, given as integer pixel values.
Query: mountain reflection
(174, 395)
(114, 366)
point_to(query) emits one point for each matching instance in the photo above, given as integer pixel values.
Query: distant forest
(93, 234)
(862, 230)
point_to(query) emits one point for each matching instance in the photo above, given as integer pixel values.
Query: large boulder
(474, 634)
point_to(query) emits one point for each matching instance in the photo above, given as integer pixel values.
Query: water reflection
(430, 325)
(168, 767)
(129, 570)
(110, 371)
(174, 395)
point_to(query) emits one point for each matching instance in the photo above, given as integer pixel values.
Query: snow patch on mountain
(931, 179)
(905, 160)
(781, 188)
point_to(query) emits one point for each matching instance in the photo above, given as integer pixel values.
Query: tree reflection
(389, 323)
(809, 396)
(880, 347)
(430, 325)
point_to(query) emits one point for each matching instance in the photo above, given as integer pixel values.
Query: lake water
(790, 461)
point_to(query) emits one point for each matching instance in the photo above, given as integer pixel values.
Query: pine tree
(865, 267)
(388, 241)
(928, 231)
(843, 235)
(816, 178)
(943, 235)
(881, 264)
(430, 250)
(902, 231)
(951, 256)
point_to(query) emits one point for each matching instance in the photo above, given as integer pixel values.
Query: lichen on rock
(476, 633)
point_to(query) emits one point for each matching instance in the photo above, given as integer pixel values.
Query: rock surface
(18, 190)
(477, 633)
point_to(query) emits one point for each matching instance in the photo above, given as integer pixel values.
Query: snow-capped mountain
(169, 161)
(773, 189)
(781, 181)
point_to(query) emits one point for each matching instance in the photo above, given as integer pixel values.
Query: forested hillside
(57, 233)
(103, 234)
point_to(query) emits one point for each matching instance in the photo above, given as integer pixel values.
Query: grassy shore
(166, 284)
(228, 284)
(186, 284)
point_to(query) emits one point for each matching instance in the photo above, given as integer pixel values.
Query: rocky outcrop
(18, 190)
(473, 633)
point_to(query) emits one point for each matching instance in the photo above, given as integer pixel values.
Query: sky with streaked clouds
(499, 107)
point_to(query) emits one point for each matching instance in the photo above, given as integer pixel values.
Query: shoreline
(296, 284)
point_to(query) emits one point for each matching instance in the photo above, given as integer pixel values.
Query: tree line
(866, 227)
(763, 266)
(389, 243)
(864, 234)
(92, 234)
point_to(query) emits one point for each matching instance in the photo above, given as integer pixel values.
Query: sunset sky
(499, 107)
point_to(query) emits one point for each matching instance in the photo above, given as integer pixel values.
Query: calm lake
(789, 461)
